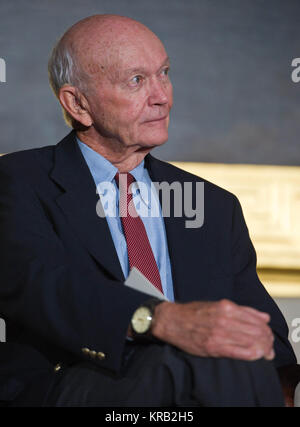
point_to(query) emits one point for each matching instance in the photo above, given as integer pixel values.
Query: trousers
(158, 375)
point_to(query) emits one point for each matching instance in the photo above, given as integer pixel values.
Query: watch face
(141, 320)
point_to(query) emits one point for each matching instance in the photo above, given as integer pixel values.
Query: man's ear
(75, 104)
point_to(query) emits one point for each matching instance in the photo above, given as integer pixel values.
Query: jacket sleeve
(250, 291)
(59, 305)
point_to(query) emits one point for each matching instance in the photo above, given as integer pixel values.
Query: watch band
(147, 336)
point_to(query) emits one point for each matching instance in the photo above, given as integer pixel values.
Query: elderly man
(219, 336)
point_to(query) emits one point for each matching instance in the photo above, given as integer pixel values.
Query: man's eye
(136, 80)
(165, 71)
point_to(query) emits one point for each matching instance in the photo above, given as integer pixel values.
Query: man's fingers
(260, 314)
(259, 341)
(252, 329)
(216, 329)
(271, 355)
(244, 314)
(245, 333)
(242, 353)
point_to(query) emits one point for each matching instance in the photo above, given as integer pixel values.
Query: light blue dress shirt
(147, 205)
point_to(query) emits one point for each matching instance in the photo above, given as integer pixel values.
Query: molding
(280, 283)
(270, 198)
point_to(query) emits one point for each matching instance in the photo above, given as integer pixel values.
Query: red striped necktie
(140, 253)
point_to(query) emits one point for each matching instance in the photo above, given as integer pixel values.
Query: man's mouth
(159, 119)
(145, 149)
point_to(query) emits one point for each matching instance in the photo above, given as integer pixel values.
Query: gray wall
(231, 68)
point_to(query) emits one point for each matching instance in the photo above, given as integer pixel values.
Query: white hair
(64, 69)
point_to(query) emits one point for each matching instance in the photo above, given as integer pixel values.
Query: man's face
(130, 93)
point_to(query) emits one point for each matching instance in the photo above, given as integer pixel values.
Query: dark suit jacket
(26, 376)
(61, 281)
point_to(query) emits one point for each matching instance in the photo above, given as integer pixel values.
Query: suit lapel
(78, 201)
(189, 262)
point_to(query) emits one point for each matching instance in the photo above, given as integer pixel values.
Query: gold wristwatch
(142, 319)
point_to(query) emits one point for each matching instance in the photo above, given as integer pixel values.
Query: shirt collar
(103, 170)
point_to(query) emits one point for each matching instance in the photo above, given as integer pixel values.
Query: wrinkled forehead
(136, 54)
(120, 50)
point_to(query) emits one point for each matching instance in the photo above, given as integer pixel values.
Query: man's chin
(153, 143)
(147, 148)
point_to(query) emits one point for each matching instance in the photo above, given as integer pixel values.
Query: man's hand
(215, 329)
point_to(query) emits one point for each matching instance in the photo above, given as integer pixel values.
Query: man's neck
(123, 158)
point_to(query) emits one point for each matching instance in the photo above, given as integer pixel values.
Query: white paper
(136, 280)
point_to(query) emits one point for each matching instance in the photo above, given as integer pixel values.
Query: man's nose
(158, 94)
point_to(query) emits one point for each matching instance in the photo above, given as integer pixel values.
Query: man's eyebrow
(137, 70)
(166, 62)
